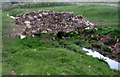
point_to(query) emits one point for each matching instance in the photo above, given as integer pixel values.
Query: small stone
(33, 31)
(49, 30)
(28, 26)
(13, 29)
(7, 14)
(96, 28)
(22, 36)
(33, 35)
(44, 31)
(27, 22)
(34, 50)
(87, 28)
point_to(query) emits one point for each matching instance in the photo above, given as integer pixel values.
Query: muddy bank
(107, 45)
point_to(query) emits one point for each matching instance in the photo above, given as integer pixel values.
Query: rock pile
(51, 22)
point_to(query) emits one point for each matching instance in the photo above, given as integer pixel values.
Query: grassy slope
(32, 56)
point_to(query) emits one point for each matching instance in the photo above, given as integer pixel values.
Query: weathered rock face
(51, 22)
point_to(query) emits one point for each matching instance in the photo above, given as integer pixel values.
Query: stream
(112, 63)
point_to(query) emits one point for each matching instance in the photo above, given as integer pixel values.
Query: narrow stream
(112, 63)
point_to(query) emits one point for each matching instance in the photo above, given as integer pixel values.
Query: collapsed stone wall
(51, 22)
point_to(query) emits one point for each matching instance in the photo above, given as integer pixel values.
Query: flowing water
(112, 63)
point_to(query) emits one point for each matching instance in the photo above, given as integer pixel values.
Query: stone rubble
(51, 22)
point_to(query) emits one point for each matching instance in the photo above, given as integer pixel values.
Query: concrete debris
(22, 36)
(51, 22)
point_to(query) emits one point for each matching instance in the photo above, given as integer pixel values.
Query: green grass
(44, 62)
(34, 5)
(111, 29)
(31, 56)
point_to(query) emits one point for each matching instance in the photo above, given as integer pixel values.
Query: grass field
(32, 56)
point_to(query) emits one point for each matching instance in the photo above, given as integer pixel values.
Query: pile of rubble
(51, 22)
